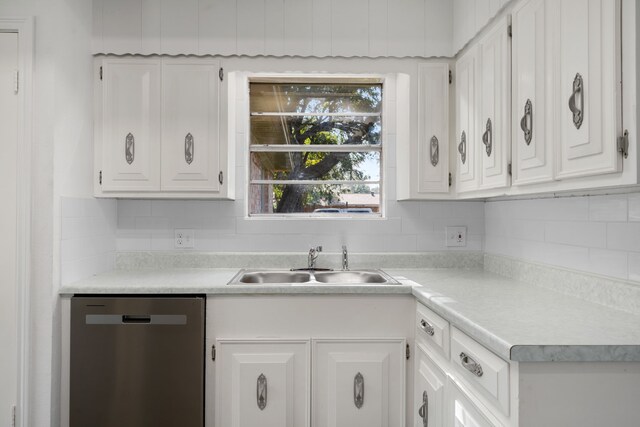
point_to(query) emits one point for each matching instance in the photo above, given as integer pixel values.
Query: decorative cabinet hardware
(188, 148)
(129, 148)
(221, 74)
(526, 123)
(423, 411)
(470, 365)
(427, 327)
(487, 138)
(358, 390)
(434, 151)
(261, 392)
(576, 101)
(623, 144)
(213, 353)
(100, 178)
(462, 147)
(407, 352)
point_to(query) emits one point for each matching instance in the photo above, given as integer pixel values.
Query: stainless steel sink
(351, 277)
(312, 277)
(274, 277)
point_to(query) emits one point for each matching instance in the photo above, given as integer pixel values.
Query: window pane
(315, 98)
(320, 200)
(315, 130)
(347, 166)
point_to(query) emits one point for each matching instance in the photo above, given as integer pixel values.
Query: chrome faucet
(345, 258)
(313, 256)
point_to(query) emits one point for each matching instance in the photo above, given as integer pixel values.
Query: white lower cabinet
(461, 412)
(358, 383)
(429, 389)
(263, 383)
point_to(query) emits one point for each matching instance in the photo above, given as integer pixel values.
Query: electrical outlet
(184, 238)
(456, 236)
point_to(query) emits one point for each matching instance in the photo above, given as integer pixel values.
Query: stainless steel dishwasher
(137, 361)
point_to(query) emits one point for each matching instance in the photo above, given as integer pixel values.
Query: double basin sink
(312, 277)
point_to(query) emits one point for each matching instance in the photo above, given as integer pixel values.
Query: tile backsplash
(596, 234)
(220, 226)
(87, 237)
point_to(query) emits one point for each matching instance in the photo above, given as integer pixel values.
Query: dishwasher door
(137, 362)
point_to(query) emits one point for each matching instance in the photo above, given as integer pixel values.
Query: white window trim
(244, 117)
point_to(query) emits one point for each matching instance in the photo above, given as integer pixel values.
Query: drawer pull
(427, 327)
(129, 148)
(526, 123)
(576, 101)
(470, 365)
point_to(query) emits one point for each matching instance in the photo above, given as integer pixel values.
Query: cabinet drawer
(485, 371)
(432, 330)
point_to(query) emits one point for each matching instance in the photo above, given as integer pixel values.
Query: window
(315, 148)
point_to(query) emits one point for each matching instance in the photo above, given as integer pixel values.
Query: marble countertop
(517, 321)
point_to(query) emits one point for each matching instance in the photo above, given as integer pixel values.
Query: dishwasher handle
(136, 318)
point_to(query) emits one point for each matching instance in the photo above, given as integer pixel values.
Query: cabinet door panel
(493, 103)
(428, 391)
(432, 161)
(533, 148)
(262, 383)
(190, 144)
(348, 373)
(589, 51)
(465, 139)
(462, 412)
(131, 125)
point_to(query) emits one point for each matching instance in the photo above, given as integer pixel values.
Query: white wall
(374, 28)
(597, 234)
(62, 123)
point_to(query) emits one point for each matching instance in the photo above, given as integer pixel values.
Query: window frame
(318, 78)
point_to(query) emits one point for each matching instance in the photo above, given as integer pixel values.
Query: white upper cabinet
(129, 118)
(427, 155)
(190, 146)
(493, 103)
(358, 383)
(588, 40)
(532, 94)
(158, 129)
(466, 118)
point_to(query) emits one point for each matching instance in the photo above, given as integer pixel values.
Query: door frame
(24, 27)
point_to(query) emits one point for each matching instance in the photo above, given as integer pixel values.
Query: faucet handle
(318, 248)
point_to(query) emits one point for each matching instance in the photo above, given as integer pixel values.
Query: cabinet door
(131, 125)
(429, 389)
(589, 75)
(466, 132)
(461, 412)
(432, 160)
(262, 383)
(532, 118)
(493, 103)
(190, 138)
(358, 383)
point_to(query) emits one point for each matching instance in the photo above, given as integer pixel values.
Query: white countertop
(517, 321)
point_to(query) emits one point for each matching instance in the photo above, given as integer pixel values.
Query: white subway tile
(527, 229)
(623, 236)
(634, 207)
(608, 208)
(585, 234)
(634, 266)
(134, 208)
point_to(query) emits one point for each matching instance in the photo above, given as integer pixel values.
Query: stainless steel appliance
(137, 361)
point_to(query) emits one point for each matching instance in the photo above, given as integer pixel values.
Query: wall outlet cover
(456, 236)
(184, 238)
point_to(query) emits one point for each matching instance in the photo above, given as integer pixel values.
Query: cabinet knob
(576, 101)
(358, 390)
(434, 150)
(462, 147)
(188, 148)
(487, 138)
(261, 392)
(129, 148)
(526, 123)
